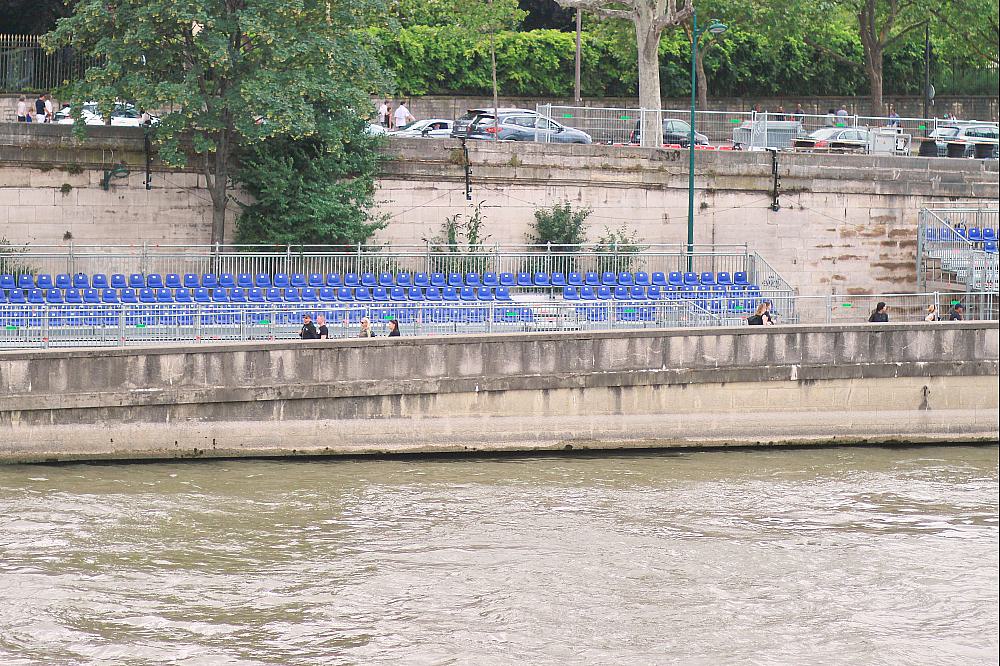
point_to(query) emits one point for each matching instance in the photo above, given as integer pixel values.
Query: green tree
(315, 190)
(561, 226)
(228, 73)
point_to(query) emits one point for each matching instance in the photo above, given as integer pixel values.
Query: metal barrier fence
(852, 308)
(25, 66)
(957, 246)
(121, 325)
(750, 129)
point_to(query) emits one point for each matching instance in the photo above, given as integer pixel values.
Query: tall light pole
(714, 28)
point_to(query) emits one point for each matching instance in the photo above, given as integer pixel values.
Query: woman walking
(879, 314)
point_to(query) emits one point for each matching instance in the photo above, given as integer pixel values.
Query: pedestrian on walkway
(761, 316)
(50, 113)
(393, 328)
(879, 314)
(308, 331)
(932, 314)
(957, 313)
(402, 115)
(799, 114)
(22, 109)
(40, 108)
(383, 114)
(322, 332)
(366, 328)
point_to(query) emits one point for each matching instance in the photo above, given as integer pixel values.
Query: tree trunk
(872, 46)
(699, 64)
(217, 185)
(873, 66)
(647, 37)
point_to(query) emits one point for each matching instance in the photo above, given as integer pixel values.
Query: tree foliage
(315, 190)
(560, 225)
(229, 73)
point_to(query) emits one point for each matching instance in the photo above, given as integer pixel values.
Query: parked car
(847, 139)
(674, 132)
(515, 125)
(431, 128)
(122, 115)
(965, 140)
(375, 130)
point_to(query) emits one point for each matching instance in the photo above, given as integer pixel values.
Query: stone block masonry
(798, 385)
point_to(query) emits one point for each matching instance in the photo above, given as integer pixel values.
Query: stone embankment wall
(517, 392)
(845, 223)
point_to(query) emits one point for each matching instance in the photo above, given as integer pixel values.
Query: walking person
(366, 328)
(40, 109)
(879, 314)
(762, 315)
(50, 113)
(932, 314)
(393, 328)
(957, 313)
(799, 114)
(322, 332)
(22, 109)
(308, 331)
(402, 116)
(383, 114)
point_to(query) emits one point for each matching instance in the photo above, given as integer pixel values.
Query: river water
(834, 556)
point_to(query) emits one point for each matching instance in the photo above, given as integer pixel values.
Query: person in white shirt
(49, 111)
(402, 115)
(383, 114)
(22, 109)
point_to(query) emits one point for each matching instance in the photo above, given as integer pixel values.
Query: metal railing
(854, 308)
(957, 247)
(25, 66)
(745, 129)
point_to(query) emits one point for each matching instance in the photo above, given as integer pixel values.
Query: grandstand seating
(470, 297)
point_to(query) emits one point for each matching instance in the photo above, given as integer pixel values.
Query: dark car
(962, 140)
(515, 125)
(674, 132)
(846, 139)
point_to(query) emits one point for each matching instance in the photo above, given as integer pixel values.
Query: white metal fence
(957, 246)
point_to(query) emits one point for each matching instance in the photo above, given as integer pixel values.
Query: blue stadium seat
(621, 293)
(254, 295)
(604, 293)
(327, 294)
(490, 279)
(931, 234)
(508, 280)
(220, 295)
(351, 280)
(25, 281)
(540, 279)
(190, 281)
(587, 293)
(642, 279)
(975, 235)
(484, 294)
(989, 234)
(990, 247)
(63, 281)
(626, 279)
(690, 279)
(558, 280)
(128, 296)
(261, 280)
(449, 294)
(363, 293)
(44, 281)
(36, 296)
(203, 295)
(946, 235)
(386, 279)
(575, 279)
(503, 294)
(243, 280)
(637, 293)
(397, 294)
(309, 295)
(146, 295)
(414, 294)
(272, 294)
(571, 293)
(524, 279)
(707, 278)
(473, 280)
(135, 281)
(675, 279)
(404, 280)
(292, 295)
(16, 296)
(433, 294)
(91, 296)
(439, 280)
(54, 296)
(109, 296)
(171, 281)
(164, 295)
(81, 281)
(609, 279)
(467, 293)
(740, 277)
(592, 279)
(421, 280)
(723, 278)
(99, 281)
(8, 282)
(455, 280)
(280, 281)
(653, 292)
(154, 281)
(334, 280)
(671, 293)
(380, 294)
(227, 281)
(345, 294)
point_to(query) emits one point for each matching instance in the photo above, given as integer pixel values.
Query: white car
(375, 130)
(123, 115)
(431, 128)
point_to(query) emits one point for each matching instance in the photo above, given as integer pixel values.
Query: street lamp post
(714, 28)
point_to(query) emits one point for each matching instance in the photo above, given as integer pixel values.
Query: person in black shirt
(957, 313)
(322, 332)
(393, 328)
(308, 328)
(879, 315)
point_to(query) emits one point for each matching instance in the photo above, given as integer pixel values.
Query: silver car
(431, 128)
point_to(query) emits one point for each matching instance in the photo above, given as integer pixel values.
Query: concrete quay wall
(857, 383)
